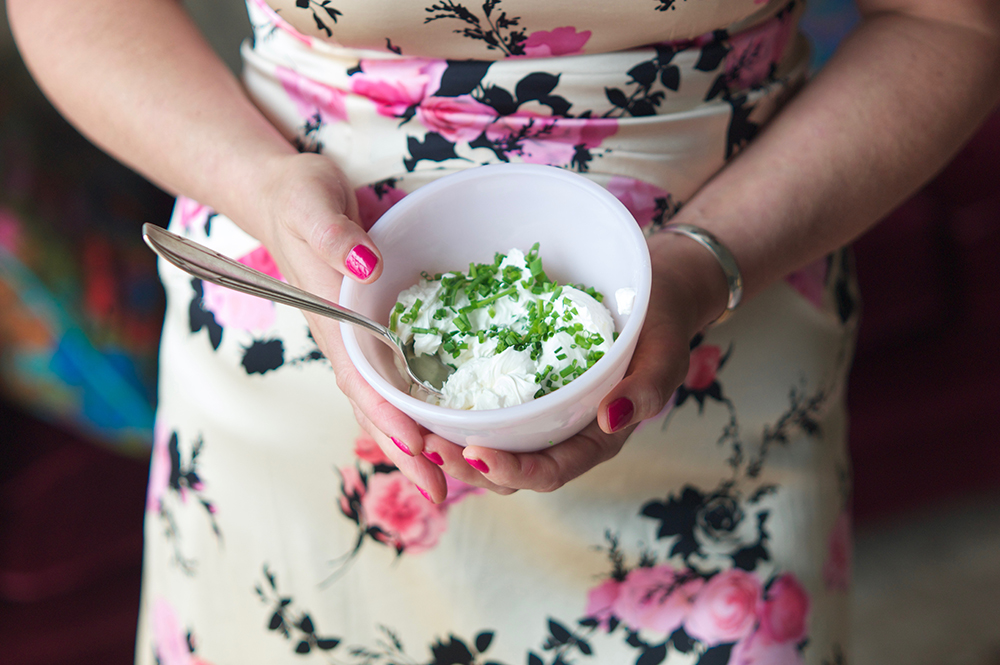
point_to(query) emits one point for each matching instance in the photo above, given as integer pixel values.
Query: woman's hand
(689, 291)
(306, 215)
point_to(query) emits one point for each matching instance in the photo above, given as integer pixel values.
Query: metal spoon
(428, 372)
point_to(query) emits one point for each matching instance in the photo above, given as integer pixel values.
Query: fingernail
(478, 464)
(401, 446)
(434, 457)
(361, 262)
(423, 493)
(620, 413)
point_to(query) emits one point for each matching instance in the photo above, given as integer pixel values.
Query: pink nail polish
(423, 493)
(401, 446)
(434, 457)
(620, 413)
(361, 262)
(478, 464)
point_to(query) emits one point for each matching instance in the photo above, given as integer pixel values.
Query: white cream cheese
(625, 300)
(511, 333)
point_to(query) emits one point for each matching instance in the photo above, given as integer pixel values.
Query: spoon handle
(213, 267)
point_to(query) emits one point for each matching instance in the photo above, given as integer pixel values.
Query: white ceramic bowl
(587, 236)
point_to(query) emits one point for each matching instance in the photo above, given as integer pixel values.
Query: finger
(658, 366)
(449, 457)
(426, 476)
(402, 431)
(547, 470)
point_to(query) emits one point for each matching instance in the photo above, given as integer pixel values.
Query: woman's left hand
(688, 292)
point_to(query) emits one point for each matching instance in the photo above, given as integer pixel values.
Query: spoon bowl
(426, 372)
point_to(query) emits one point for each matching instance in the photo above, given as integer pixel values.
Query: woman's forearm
(887, 112)
(140, 81)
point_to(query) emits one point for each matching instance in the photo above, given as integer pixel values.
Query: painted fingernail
(620, 413)
(434, 457)
(478, 464)
(401, 446)
(361, 262)
(423, 493)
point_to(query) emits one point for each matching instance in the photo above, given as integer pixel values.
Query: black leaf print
(670, 77)
(287, 622)
(199, 317)
(455, 652)
(644, 73)
(499, 99)
(483, 641)
(537, 85)
(496, 33)
(560, 634)
(667, 5)
(682, 641)
(395, 49)
(678, 517)
(717, 655)
(653, 656)
(322, 5)
(461, 77)
(183, 479)
(748, 557)
(713, 53)
(616, 97)
(263, 356)
(533, 659)
(433, 148)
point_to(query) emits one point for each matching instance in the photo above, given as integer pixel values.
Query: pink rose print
(725, 609)
(375, 200)
(457, 119)
(352, 490)
(757, 650)
(785, 611)
(239, 310)
(657, 598)
(312, 97)
(754, 51)
(367, 449)
(396, 85)
(646, 202)
(810, 281)
(169, 639)
(548, 140)
(458, 490)
(561, 41)
(404, 519)
(189, 213)
(839, 557)
(702, 367)
(159, 470)
(601, 601)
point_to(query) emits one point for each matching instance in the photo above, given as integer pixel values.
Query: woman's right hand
(306, 215)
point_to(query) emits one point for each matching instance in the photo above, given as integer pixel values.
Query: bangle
(734, 279)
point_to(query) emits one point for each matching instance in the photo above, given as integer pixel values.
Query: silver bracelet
(734, 279)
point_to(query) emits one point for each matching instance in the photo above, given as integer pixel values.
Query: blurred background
(80, 311)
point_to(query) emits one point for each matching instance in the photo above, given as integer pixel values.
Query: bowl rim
(519, 413)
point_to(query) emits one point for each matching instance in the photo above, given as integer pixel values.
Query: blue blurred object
(827, 22)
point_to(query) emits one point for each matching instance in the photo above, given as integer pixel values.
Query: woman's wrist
(693, 272)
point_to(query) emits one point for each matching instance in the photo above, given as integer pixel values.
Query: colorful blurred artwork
(80, 303)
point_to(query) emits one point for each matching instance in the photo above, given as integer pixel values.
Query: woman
(279, 530)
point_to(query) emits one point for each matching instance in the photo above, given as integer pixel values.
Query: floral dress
(277, 532)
